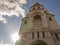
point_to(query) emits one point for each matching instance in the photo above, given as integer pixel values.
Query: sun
(14, 37)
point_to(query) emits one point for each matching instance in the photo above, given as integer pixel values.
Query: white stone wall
(42, 25)
(48, 39)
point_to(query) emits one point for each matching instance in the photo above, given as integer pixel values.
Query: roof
(36, 4)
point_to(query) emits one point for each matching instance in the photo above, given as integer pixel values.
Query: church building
(39, 27)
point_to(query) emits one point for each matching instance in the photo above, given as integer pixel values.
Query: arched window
(33, 8)
(25, 21)
(37, 22)
(38, 7)
(37, 17)
(50, 19)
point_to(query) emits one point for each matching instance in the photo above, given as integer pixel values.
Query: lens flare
(14, 37)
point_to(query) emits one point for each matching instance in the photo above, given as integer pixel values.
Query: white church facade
(39, 27)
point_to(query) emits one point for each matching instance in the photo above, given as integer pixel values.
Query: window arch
(38, 7)
(50, 19)
(37, 17)
(25, 22)
(34, 8)
(38, 42)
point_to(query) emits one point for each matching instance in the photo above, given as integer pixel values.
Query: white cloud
(4, 43)
(1, 43)
(11, 8)
(3, 19)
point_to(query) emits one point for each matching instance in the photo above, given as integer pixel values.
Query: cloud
(4, 44)
(11, 8)
(3, 19)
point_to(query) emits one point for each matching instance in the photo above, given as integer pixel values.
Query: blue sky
(14, 22)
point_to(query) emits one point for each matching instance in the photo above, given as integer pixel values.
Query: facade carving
(39, 27)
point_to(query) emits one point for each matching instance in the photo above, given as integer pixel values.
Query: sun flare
(14, 37)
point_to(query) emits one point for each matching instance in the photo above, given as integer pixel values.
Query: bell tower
(39, 27)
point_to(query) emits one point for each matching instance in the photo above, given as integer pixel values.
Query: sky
(12, 12)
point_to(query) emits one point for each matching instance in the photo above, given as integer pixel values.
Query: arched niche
(38, 42)
(37, 17)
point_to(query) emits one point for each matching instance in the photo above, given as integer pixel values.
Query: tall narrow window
(33, 35)
(37, 34)
(56, 36)
(43, 34)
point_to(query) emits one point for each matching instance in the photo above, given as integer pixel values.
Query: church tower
(39, 27)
